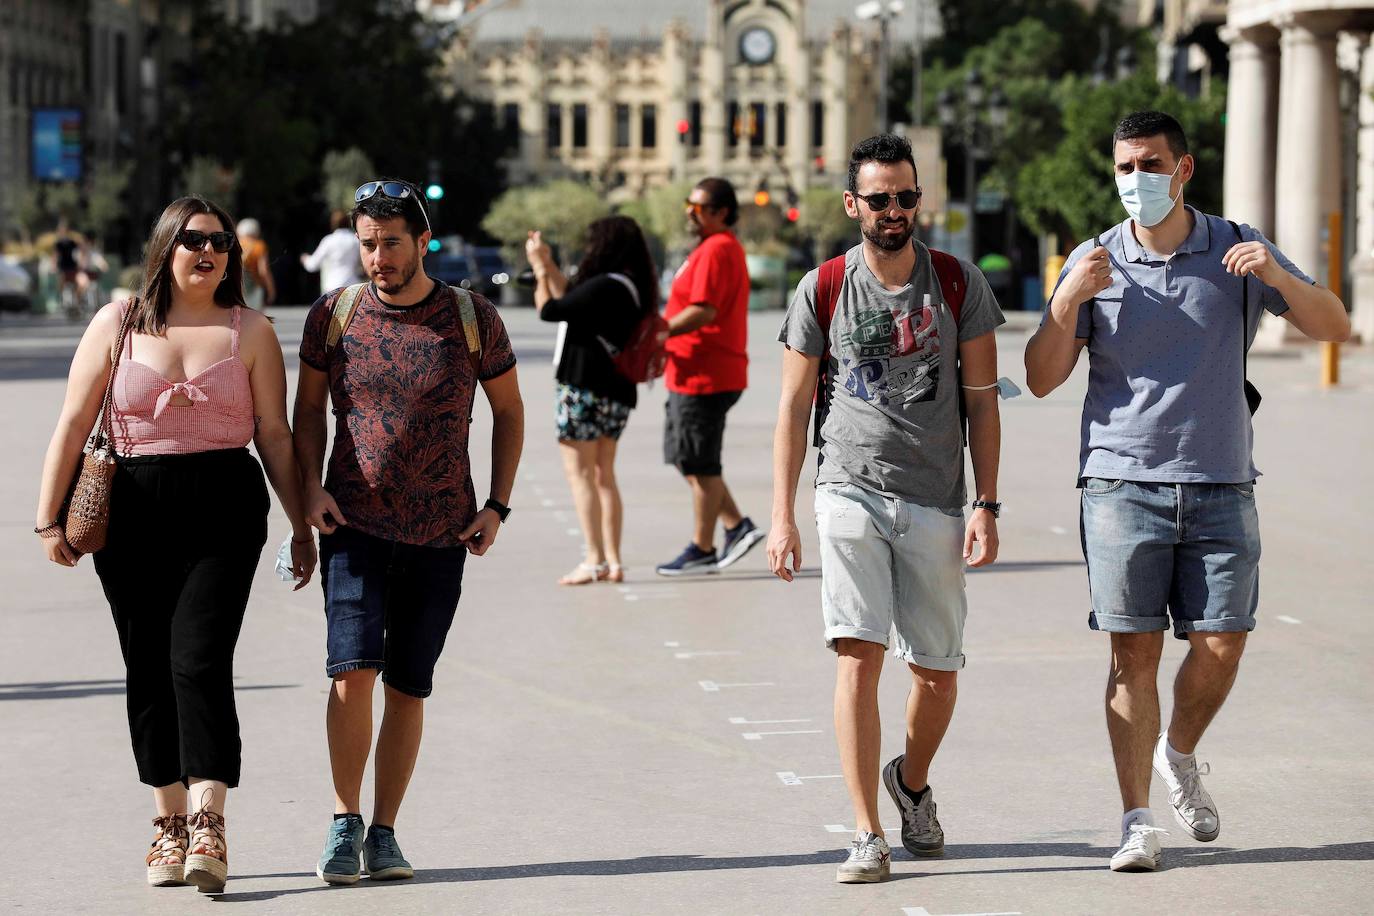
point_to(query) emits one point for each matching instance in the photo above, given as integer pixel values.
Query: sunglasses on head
(194, 240)
(395, 190)
(907, 200)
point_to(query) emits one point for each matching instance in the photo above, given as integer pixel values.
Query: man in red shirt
(708, 365)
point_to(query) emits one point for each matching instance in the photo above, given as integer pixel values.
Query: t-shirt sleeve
(313, 335)
(980, 312)
(1273, 302)
(590, 300)
(714, 278)
(498, 356)
(1084, 328)
(801, 329)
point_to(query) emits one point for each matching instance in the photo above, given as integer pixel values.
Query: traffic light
(761, 196)
(793, 214)
(434, 245)
(435, 191)
(793, 211)
(684, 127)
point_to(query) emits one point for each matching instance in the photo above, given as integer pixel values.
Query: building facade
(757, 91)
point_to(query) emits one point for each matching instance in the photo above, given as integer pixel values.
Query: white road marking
(713, 687)
(546, 502)
(740, 720)
(759, 736)
(706, 653)
(922, 911)
(574, 532)
(792, 779)
(673, 644)
(631, 597)
(1284, 618)
(1056, 529)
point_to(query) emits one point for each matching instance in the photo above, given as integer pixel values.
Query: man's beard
(875, 234)
(407, 273)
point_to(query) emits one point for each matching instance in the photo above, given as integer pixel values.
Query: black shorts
(695, 430)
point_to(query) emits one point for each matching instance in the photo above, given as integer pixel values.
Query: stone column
(1252, 118)
(1362, 265)
(713, 101)
(533, 123)
(835, 101)
(1309, 158)
(676, 45)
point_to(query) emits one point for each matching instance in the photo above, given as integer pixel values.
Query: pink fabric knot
(190, 391)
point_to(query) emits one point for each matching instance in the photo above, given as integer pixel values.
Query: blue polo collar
(1198, 241)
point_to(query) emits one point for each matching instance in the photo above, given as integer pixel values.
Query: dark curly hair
(381, 208)
(882, 148)
(615, 244)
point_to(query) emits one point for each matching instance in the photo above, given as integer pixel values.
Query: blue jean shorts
(1156, 551)
(388, 606)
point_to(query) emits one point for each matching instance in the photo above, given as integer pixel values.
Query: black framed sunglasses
(194, 240)
(395, 190)
(907, 200)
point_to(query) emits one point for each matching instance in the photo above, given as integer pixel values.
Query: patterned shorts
(582, 416)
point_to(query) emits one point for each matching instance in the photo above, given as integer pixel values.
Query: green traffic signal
(435, 192)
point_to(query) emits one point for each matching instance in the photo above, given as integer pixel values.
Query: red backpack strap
(952, 282)
(828, 283)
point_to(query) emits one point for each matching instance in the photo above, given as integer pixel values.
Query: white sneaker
(869, 861)
(1192, 805)
(1140, 849)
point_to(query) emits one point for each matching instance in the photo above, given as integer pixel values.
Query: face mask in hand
(1145, 195)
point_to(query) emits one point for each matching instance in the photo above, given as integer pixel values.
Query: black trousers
(185, 535)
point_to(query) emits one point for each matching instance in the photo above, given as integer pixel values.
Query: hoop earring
(224, 276)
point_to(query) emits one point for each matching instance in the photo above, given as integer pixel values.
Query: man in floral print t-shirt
(398, 514)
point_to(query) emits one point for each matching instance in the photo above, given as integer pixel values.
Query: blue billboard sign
(57, 144)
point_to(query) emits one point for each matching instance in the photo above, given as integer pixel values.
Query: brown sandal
(207, 865)
(166, 859)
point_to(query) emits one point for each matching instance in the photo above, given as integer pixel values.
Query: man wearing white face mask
(1167, 304)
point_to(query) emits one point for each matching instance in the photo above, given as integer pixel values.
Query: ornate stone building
(749, 89)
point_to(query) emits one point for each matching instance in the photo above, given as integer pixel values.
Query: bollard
(1331, 351)
(1053, 265)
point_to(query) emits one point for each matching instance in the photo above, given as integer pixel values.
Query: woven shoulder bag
(85, 516)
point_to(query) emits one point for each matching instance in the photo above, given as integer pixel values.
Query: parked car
(16, 286)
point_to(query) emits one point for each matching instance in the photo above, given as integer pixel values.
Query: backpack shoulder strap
(472, 332)
(342, 316)
(952, 282)
(828, 283)
(629, 285)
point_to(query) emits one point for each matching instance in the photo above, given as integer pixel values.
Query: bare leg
(608, 493)
(1133, 712)
(579, 466)
(348, 723)
(398, 745)
(711, 501)
(170, 799)
(858, 728)
(1204, 680)
(929, 707)
(207, 795)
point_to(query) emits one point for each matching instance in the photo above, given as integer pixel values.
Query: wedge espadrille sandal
(167, 855)
(207, 864)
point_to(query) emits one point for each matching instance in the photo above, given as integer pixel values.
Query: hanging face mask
(1145, 195)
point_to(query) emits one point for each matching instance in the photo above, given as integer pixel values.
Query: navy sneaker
(691, 562)
(739, 540)
(341, 862)
(383, 857)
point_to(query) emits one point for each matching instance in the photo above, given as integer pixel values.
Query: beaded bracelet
(47, 531)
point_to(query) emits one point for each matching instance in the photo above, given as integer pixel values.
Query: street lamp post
(884, 11)
(976, 121)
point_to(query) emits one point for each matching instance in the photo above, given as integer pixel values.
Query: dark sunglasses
(395, 190)
(907, 200)
(194, 240)
(693, 205)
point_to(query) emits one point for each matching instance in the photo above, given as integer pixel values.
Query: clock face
(757, 45)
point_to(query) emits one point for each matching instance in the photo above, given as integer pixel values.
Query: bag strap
(951, 277)
(472, 332)
(103, 437)
(1244, 315)
(344, 308)
(828, 283)
(628, 284)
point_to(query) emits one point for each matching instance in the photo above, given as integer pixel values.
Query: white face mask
(1145, 195)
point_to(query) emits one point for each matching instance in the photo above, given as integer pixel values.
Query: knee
(860, 661)
(1220, 650)
(400, 701)
(1135, 656)
(938, 685)
(355, 685)
(605, 477)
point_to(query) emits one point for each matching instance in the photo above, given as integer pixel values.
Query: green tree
(562, 210)
(824, 221)
(105, 203)
(207, 177)
(660, 214)
(343, 171)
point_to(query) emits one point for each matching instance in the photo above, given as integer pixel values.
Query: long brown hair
(150, 315)
(615, 244)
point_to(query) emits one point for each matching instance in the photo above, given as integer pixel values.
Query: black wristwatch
(501, 509)
(994, 508)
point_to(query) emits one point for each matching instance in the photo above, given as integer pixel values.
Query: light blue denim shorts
(889, 566)
(1156, 551)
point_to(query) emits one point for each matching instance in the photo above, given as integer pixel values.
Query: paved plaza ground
(666, 746)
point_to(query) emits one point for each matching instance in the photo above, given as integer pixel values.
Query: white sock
(1136, 816)
(1170, 754)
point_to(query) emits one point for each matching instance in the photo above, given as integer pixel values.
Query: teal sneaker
(383, 856)
(339, 863)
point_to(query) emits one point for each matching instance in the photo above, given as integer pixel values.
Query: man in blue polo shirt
(1167, 303)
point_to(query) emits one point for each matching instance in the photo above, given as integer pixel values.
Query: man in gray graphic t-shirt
(890, 489)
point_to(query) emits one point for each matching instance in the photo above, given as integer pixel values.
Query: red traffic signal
(684, 126)
(793, 214)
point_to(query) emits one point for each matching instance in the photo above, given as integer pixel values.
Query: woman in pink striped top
(198, 378)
